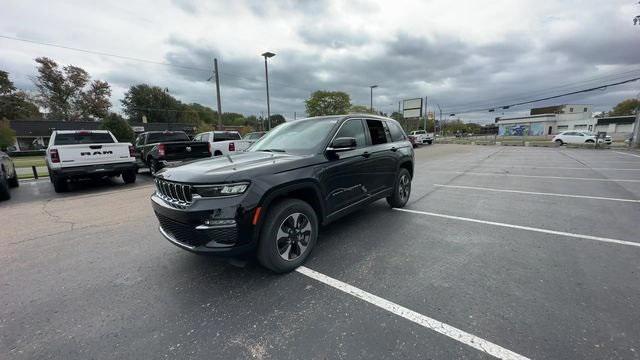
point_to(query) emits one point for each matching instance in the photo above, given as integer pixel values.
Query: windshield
(167, 137)
(302, 137)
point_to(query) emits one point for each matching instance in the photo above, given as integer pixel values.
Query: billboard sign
(412, 108)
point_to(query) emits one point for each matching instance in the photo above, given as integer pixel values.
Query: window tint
(396, 132)
(83, 138)
(377, 132)
(353, 128)
(225, 136)
(167, 136)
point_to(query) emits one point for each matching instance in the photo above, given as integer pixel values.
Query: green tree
(360, 109)
(151, 101)
(322, 103)
(15, 104)
(69, 93)
(118, 127)
(625, 107)
(7, 135)
(277, 119)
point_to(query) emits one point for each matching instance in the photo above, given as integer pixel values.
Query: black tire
(217, 153)
(559, 142)
(282, 216)
(4, 187)
(59, 184)
(129, 176)
(13, 182)
(154, 166)
(401, 189)
(590, 141)
(430, 142)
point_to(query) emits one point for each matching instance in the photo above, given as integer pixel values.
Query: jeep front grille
(177, 195)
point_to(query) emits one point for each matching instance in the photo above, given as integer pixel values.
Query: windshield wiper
(272, 150)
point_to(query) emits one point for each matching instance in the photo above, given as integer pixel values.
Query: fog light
(212, 222)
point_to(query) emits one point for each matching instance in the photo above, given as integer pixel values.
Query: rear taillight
(132, 151)
(55, 158)
(232, 146)
(161, 149)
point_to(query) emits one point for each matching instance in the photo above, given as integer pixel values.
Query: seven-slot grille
(178, 195)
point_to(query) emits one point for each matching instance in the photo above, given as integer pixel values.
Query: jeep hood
(237, 167)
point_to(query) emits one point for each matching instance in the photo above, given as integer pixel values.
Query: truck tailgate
(186, 150)
(93, 154)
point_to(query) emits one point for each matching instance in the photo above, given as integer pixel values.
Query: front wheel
(288, 235)
(559, 142)
(401, 190)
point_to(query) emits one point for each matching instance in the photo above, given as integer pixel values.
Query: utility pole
(426, 113)
(294, 115)
(635, 141)
(217, 75)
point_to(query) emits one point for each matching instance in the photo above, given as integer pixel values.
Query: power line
(131, 58)
(549, 97)
(520, 96)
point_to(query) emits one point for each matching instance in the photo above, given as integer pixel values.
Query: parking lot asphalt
(512, 252)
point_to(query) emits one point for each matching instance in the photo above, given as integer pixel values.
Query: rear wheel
(4, 187)
(129, 176)
(59, 184)
(288, 235)
(217, 153)
(154, 166)
(401, 190)
(589, 141)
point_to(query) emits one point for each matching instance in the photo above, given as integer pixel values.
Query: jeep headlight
(220, 190)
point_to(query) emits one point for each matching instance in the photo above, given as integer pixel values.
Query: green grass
(28, 161)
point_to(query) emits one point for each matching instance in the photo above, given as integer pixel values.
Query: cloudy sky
(462, 54)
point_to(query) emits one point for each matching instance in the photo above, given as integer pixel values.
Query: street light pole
(266, 75)
(371, 98)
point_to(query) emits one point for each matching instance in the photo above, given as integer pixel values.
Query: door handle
(366, 154)
(393, 148)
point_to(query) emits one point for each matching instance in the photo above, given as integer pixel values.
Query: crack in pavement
(54, 217)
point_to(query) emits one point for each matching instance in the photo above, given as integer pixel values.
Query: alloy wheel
(404, 187)
(294, 235)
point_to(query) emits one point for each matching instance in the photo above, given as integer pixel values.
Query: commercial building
(550, 120)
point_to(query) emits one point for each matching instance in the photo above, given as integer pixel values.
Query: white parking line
(535, 193)
(519, 227)
(425, 321)
(624, 153)
(535, 176)
(559, 167)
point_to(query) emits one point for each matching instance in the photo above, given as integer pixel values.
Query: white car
(223, 142)
(579, 137)
(422, 136)
(80, 154)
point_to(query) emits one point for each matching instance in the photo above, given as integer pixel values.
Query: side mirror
(342, 144)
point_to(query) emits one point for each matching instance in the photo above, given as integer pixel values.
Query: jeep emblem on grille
(188, 148)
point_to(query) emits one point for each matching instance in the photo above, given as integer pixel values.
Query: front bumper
(185, 228)
(89, 170)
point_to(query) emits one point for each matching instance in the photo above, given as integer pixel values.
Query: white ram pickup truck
(88, 154)
(223, 142)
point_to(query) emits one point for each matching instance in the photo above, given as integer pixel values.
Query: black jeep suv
(273, 198)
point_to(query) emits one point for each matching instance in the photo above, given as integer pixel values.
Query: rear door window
(83, 138)
(377, 132)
